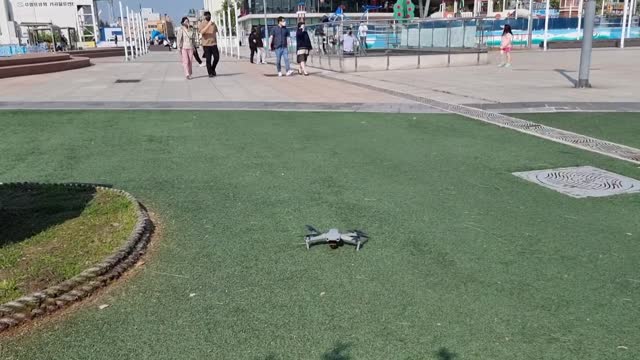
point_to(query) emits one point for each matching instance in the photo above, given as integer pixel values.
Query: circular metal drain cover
(583, 181)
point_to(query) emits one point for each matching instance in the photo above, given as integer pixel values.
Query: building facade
(8, 32)
(72, 18)
(213, 5)
(253, 11)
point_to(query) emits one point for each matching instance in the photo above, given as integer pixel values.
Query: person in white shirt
(362, 36)
(348, 42)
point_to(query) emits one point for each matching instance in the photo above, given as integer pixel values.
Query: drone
(334, 237)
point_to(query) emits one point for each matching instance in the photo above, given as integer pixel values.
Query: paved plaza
(538, 81)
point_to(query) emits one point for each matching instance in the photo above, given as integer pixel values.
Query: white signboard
(60, 13)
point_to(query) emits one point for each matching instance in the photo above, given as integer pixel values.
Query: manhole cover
(582, 181)
(127, 81)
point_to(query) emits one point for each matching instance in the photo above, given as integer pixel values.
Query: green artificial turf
(622, 128)
(465, 261)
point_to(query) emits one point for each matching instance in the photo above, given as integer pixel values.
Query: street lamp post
(546, 25)
(587, 40)
(266, 28)
(124, 34)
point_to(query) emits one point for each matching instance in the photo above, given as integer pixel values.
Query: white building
(8, 33)
(76, 19)
(149, 15)
(213, 5)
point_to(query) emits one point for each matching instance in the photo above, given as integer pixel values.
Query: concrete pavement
(538, 81)
(157, 81)
(541, 81)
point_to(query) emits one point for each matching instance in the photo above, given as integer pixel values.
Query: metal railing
(335, 42)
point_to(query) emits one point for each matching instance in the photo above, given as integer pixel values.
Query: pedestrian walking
(252, 44)
(303, 48)
(209, 31)
(186, 46)
(362, 37)
(196, 42)
(280, 44)
(506, 45)
(262, 58)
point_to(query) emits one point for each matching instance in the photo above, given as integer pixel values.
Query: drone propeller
(359, 233)
(312, 230)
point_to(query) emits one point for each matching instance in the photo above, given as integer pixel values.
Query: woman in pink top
(185, 47)
(506, 46)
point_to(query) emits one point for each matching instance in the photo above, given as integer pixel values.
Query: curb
(84, 284)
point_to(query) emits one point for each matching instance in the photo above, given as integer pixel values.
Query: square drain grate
(127, 81)
(582, 181)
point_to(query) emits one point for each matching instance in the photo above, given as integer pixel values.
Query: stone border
(84, 284)
(400, 107)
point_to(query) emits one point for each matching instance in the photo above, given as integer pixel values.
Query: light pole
(529, 24)
(624, 20)
(546, 25)
(124, 34)
(266, 29)
(587, 40)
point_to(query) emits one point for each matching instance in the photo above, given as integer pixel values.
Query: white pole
(137, 26)
(632, 5)
(131, 36)
(143, 36)
(504, 4)
(224, 33)
(546, 25)
(96, 30)
(517, 3)
(230, 30)
(580, 7)
(135, 33)
(602, 11)
(624, 21)
(124, 34)
(237, 7)
(140, 37)
(145, 41)
(530, 25)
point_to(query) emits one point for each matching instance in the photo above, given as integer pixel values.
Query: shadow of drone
(444, 354)
(340, 351)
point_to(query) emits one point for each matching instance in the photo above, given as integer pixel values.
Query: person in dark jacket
(252, 44)
(280, 39)
(303, 48)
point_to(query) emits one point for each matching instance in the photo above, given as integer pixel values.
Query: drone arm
(311, 240)
(353, 239)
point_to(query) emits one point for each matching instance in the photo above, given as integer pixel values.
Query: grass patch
(51, 233)
(622, 128)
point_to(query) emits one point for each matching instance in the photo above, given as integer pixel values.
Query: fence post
(419, 41)
(448, 43)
